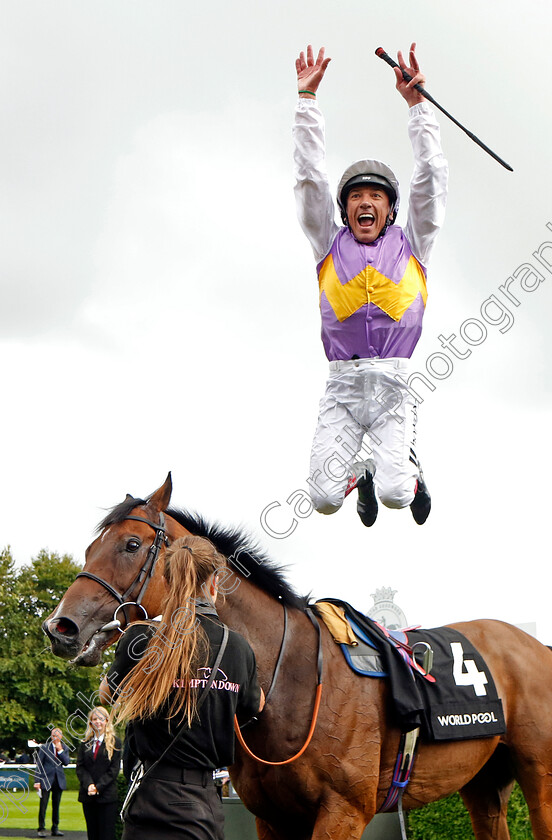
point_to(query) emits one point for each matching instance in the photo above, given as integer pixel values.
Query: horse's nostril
(63, 627)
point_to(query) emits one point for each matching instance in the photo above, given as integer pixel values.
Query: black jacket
(101, 771)
(209, 742)
(49, 766)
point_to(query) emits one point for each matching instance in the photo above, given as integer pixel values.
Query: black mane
(237, 546)
(242, 553)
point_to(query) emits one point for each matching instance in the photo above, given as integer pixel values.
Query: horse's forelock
(119, 513)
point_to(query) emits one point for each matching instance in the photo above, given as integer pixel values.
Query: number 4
(469, 676)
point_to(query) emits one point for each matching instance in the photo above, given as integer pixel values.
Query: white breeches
(365, 413)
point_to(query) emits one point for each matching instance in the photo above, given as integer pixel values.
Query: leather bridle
(143, 577)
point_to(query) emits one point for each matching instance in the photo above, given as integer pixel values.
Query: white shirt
(314, 202)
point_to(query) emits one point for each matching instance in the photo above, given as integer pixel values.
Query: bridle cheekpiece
(143, 577)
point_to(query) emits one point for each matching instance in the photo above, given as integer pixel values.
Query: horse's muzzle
(63, 634)
(66, 640)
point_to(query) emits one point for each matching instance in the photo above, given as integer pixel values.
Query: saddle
(458, 700)
(360, 650)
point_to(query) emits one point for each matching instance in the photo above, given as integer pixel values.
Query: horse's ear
(159, 500)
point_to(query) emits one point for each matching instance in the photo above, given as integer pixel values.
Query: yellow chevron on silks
(392, 298)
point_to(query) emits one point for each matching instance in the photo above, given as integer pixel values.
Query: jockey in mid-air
(372, 279)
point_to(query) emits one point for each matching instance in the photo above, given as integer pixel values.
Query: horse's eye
(133, 544)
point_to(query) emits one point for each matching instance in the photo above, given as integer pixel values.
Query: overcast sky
(160, 306)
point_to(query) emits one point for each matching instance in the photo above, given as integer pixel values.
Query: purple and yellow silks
(372, 297)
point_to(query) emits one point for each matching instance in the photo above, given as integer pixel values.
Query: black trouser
(176, 804)
(56, 792)
(101, 818)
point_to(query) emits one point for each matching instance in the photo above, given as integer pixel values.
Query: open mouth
(366, 220)
(91, 652)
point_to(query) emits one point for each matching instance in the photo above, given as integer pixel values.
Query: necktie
(96, 748)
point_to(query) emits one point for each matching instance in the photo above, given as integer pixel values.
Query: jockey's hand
(310, 72)
(406, 89)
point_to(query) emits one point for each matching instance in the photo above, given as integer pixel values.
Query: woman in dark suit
(98, 764)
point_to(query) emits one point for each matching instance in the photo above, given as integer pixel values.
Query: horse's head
(121, 580)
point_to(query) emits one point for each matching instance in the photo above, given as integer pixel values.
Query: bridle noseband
(143, 577)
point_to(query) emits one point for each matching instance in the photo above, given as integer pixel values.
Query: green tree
(37, 689)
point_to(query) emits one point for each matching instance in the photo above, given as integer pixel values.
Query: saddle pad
(334, 618)
(363, 657)
(463, 701)
(360, 653)
(458, 702)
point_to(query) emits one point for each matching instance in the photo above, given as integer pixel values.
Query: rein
(317, 698)
(143, 577)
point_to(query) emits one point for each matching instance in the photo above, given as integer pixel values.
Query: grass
(21, 811)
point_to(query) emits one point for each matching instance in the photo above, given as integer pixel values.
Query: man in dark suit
(51, 757)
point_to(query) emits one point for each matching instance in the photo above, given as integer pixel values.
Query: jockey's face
(368, 209)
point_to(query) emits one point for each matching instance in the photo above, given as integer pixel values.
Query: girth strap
(403, 769)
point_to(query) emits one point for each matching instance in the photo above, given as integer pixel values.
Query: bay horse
(335, 787)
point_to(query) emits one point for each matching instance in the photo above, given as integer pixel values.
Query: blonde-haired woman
(98, 763)
(158, 676)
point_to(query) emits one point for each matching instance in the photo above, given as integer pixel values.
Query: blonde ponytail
(179, 646)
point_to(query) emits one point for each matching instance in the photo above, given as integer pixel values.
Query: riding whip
(380, 52)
